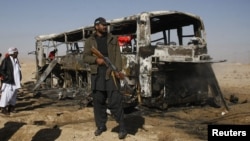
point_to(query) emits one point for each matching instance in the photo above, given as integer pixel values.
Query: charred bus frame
(165, 58)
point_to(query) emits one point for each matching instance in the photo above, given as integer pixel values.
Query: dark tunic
(101, 83)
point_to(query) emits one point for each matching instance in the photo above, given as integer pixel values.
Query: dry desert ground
(46, 119)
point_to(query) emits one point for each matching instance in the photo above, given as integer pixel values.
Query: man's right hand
(119, 75)
(100, 61)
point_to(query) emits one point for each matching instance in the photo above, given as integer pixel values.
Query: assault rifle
(109, 64)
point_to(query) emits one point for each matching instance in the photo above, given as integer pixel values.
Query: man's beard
(103, 32)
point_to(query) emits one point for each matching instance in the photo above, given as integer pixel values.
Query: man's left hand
(119, 75)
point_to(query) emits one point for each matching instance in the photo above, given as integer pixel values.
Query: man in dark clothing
(57, 71)
(52, 54)
(105, 90)
(0, 74)
(0, 58)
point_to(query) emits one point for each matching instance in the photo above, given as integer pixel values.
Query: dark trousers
(111, 100)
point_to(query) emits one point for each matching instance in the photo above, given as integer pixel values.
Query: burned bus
(165, 59)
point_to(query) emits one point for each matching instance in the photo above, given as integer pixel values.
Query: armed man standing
(105, 83)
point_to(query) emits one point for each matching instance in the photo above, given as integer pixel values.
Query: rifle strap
(114, 78)
(108, 73)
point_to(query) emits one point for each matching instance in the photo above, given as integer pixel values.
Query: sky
(227, 22)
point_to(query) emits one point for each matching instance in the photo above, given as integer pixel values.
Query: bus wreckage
(165, 60)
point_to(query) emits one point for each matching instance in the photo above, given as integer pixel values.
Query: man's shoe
(122, 134)
(11, 109)
(5, 111)
(99, 130)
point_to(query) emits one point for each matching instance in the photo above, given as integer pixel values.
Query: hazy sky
(226, 22)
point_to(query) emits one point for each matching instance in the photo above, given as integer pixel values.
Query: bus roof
(181, 18)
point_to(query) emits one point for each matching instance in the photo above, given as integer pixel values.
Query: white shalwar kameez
(9, 91)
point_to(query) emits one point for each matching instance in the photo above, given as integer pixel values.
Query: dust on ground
(42, 118)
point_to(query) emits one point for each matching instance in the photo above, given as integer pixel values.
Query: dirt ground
(45, 119)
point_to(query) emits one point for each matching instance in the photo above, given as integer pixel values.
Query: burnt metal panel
(180, 51)
(146, 51)
(73, 62)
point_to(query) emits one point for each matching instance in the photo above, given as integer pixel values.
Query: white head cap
(12, 50)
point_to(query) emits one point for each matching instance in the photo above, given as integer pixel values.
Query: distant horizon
(232, 59)
(31, 58)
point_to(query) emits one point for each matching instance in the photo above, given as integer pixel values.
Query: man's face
(15, 54)
(101, 28)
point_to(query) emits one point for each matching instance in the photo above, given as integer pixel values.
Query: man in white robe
(10, 71)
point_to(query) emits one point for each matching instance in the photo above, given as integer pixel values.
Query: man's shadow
(133, 121)
(9, 129)
(47, 134)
